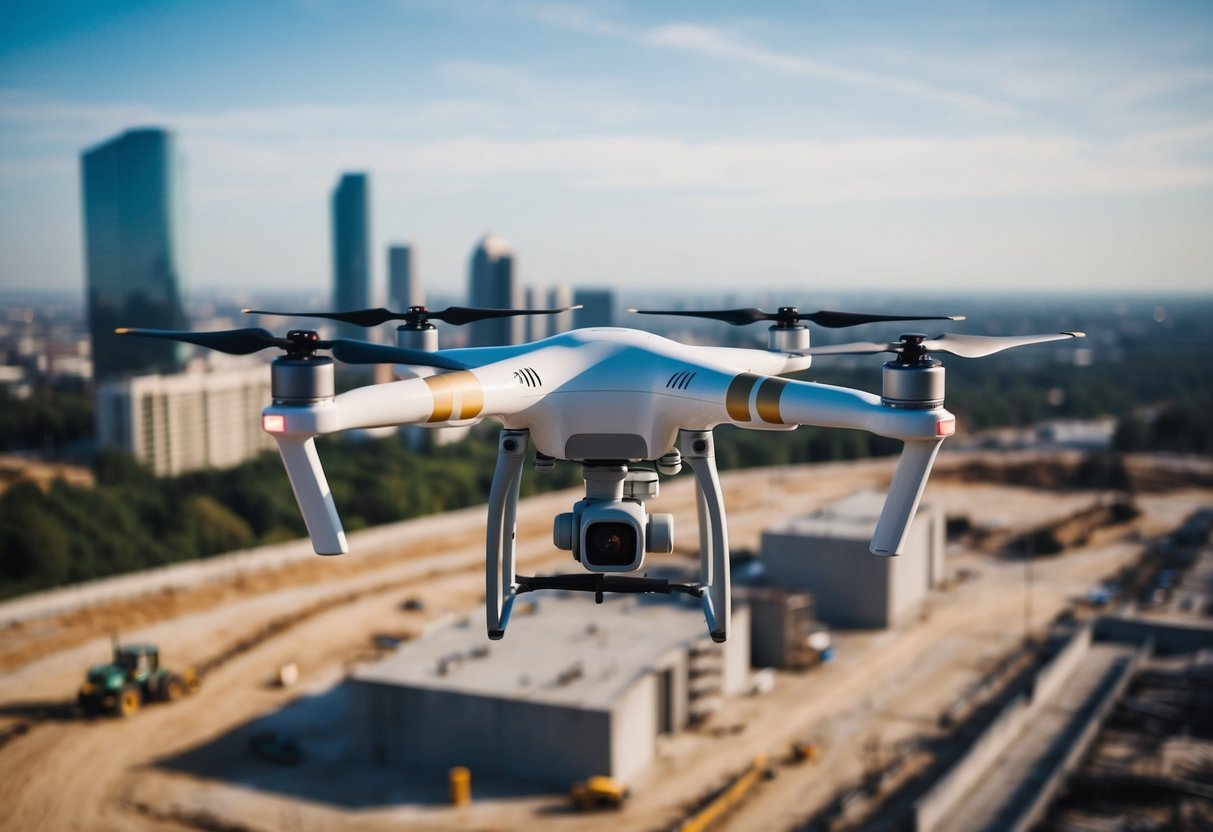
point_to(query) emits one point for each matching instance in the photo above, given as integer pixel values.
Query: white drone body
(610, 399)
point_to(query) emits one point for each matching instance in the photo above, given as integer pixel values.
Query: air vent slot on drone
(528, 377)
(680, 380)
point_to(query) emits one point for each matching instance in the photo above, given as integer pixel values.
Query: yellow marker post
(461, 786)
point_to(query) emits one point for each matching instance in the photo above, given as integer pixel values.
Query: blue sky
(794, 146)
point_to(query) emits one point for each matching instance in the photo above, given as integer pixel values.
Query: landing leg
(699, 451)
(499, 542)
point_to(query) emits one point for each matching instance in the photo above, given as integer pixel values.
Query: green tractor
(132, 678)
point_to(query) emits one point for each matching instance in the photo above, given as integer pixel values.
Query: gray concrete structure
(573, 690)
(1006, 778)
(827, 554)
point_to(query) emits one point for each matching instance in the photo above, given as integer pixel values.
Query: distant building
(560, 297)
(827, 554)
(536, 325)
(404, 290)
(351, 248)
(134, 242)
(573, 690)
(598, 308)
(184, 422)
(492, 285)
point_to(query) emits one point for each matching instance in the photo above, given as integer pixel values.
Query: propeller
(913, 346)
(416, 317)
(789, 316)
(299, 343)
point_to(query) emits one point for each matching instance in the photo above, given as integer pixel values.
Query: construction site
(1041, 657)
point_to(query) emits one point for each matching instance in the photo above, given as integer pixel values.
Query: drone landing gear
(500, 586)
(699, 451)
(599, 584)
(503, 585)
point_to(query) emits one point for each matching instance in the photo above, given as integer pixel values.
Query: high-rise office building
(536, 325)
(351, 248)
(134, 250)
(597, 308)
(560, 297)
(404, 290)
(491, 285)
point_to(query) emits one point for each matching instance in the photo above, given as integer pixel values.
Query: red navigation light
(944, 427)
(273, 423)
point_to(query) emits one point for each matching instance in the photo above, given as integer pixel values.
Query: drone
(616, 401)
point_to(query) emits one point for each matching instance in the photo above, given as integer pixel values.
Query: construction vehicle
(598, 792)
(132, 678)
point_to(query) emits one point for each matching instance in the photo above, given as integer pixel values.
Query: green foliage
(46, 421)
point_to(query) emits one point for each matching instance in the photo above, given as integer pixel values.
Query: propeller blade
(233, 341)
(358, 317)
(736, 317)
(965, 346)
(789, 316)
(835, 320)
(454, 315)
(854, 348)
(978, 346)
(460, 315)
(362, 352)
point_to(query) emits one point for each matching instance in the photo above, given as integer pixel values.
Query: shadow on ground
(321, 725)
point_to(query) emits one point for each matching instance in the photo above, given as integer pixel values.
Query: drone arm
(922, 430)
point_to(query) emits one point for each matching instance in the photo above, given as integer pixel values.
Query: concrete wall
(937, 545)
(910, 573)
(633, 731)
(1035, 811)
(737, 653)
(1168, 637)
(849, 583)
(676, 664)
(1054, 674)
(852, 587)
(938, 803)
(432, 731)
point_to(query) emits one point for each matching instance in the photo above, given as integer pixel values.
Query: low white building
(574, 689)
(826, 553)
(205, 418)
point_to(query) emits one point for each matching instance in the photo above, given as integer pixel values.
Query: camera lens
(610, 543)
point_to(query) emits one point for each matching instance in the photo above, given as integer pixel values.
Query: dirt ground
(186, 765)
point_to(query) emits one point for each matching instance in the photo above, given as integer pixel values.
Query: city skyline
(997, 148)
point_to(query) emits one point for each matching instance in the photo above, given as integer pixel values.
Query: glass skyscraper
(132, 194)
(491, 285)
(351, 248)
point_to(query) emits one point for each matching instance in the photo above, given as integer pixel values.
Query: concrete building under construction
(573, 690)
(827, 554)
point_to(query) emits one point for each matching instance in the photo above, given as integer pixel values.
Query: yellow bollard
(461, 786)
